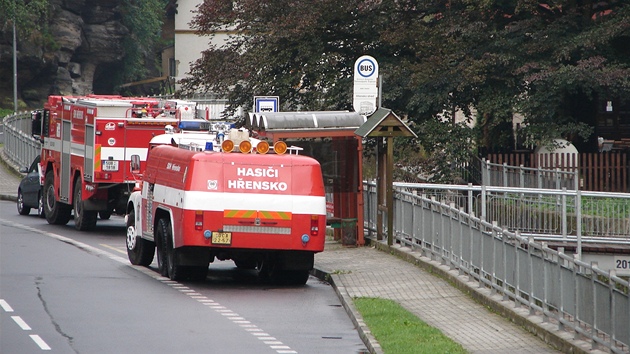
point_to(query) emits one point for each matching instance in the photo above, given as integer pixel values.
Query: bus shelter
(327, 136)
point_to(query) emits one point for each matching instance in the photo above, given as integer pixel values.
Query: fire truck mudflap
(264, 212)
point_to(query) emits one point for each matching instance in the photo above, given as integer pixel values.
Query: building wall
(188, 44)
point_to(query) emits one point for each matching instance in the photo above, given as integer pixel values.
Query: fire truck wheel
(56, 213)
(104, 215)
(270, 272)
(83, 219)
(139, 250)
(160, 247)
(295, 277)
(175, 270)
(22, 209)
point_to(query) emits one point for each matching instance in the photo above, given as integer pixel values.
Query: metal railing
(577, 296)
(504, 175)
(541, 213)
(19, 146)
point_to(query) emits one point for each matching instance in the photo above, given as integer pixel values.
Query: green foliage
(549, 62)
(143, 19)
(448, 145)
(29, 16)
(5, 112)
(399, 331)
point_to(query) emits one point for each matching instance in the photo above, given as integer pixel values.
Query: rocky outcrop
(83, 45)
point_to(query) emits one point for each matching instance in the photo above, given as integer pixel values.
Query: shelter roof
(384, 123)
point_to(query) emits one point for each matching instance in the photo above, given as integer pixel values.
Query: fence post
(470, 199)
(505, 184)
(521, 173)
(564, 213)
(558, 178)
(483, 203)
(578, 222)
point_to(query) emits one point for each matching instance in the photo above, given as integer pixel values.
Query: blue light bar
(194, 125)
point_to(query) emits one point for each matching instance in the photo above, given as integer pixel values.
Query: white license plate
(109, 165)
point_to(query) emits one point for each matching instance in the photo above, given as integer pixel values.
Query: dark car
(30, 190)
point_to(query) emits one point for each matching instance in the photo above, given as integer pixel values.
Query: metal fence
(545, 214)
(559, 287)
(504, 175)
(19, 146)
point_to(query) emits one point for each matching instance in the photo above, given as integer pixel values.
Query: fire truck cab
(201, 199)
(87, 144)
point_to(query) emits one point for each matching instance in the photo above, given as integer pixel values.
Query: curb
(373, 347)
(11, 169)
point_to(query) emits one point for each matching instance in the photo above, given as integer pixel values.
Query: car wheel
(40, 206)
(22, 209)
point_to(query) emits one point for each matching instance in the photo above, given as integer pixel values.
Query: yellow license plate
(221, 238)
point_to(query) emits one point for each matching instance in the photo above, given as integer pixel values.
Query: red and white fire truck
(87, 148)
(258, 206)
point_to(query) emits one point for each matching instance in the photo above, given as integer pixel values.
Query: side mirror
(135, 163)
(36, 124)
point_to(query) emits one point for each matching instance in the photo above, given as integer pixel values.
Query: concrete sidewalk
(439, 296)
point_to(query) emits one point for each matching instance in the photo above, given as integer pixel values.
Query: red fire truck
(87, 144)
(260, 207)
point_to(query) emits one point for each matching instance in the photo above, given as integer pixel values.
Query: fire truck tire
(22, 209)
(160, 239)
(167, 255)
(84, 220)
(104, 215)
(139, 250)
(56, 213)
(270, 271)
(175, 270)
(295, 277)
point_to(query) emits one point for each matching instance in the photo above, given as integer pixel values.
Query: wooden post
(390, 190)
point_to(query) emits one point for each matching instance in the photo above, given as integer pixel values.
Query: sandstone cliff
(81, 56)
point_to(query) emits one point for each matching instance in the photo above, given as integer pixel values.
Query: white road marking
(5, 306)
(174, 284)
(20, 322)
(40, 342)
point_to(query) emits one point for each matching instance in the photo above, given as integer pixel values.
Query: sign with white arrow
(365, 85)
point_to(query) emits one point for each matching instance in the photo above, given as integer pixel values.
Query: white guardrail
(440, 221)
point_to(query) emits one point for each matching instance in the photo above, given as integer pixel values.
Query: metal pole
(15, 102)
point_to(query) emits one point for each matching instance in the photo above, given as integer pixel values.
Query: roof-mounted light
(280, 147)
(245, 147)
(262, 147)
(227, 145)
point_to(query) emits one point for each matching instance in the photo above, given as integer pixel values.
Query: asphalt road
(66, 291)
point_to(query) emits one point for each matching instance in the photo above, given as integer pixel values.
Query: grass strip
(399, 332)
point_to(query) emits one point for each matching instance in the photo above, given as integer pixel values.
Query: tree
(487, 58)
(27, 15)
(143, 19)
